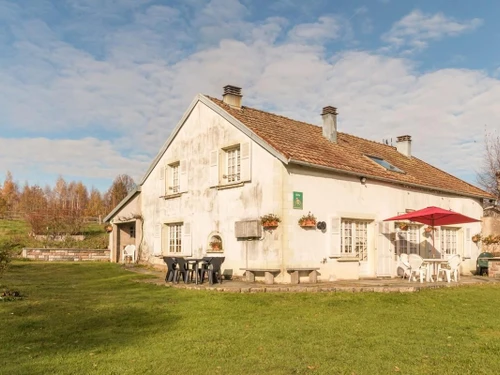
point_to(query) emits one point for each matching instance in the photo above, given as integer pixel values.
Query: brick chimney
(403, 145)
(329, 116)
(232, 96)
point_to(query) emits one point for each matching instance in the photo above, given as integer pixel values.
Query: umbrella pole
(433, 234)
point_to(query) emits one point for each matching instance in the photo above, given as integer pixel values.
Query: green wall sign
(298, 200)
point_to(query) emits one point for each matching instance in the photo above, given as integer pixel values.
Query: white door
(355, 243)
(385, 250)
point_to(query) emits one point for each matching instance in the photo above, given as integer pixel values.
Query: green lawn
(16, 231)
(97, 319)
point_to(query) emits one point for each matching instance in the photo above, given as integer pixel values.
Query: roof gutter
(383, 179)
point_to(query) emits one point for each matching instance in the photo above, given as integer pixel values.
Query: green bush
(8, 247)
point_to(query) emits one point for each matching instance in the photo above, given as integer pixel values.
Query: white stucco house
(225, 165)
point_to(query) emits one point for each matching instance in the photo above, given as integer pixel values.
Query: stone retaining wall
(494, 268)
(67, 255)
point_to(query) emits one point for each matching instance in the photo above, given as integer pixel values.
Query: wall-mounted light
(362, 180)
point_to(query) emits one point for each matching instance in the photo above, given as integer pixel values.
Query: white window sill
(230, 185)
(347, 259)
(171, 196)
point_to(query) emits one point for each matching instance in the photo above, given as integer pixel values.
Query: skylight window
(385, 164)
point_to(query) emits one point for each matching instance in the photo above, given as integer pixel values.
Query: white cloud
(327, 27)
(78, 159)
(416, 29)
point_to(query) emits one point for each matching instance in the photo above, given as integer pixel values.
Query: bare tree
(489, 176)
(95, 205)
(10, 193)
(122, 185)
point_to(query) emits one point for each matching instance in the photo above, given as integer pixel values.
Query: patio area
(382, 285)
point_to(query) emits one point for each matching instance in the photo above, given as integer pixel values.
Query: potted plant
(216, 245)
(428, 229)
(403, 226)
(308, 220)
(108, 228)
(270, 221)
(476, 238)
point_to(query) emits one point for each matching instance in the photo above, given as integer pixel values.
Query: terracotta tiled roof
(304, 142)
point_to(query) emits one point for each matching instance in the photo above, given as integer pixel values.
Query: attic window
(385, 164)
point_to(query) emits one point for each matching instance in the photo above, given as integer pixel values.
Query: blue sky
(92, 88)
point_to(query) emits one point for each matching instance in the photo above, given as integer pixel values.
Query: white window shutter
(335, 251)
(183, 176)
(167, 180)
(157, 241)
(186, 239)
(214, 168)
(467, 244)
(246, 161)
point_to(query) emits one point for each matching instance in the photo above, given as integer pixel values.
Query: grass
(97, 319)
(17, 231)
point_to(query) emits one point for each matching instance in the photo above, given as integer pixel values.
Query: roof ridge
(266, 112)
(301, 122)
(368, 140)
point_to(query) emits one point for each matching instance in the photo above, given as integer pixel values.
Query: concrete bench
(268, 273)
(295, 271)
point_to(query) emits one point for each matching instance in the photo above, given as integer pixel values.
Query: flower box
(307, 221)
(270, 221)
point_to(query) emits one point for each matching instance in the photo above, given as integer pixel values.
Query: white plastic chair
(416, 267)
(450, 268)
(129, 251)
(405, 265)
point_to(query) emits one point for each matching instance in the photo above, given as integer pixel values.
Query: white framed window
(449, 237)
(354, 238)
(175, 238)
(233, 164)
(407, 241)
(173, 181)
(230, 165)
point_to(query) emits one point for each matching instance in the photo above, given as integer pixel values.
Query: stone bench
(295, 271)
(268, 273)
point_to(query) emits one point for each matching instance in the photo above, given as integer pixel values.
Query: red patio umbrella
(434, 216)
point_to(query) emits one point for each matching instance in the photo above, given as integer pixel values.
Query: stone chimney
(403, 145)
(232, 96)
(329, 116)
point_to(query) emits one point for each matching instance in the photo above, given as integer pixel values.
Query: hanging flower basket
(307, 221)
(108, 228)
(270, 221)
(476, 238)
(403, 226)
(428, 229)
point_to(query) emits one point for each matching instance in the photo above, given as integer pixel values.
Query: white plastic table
(432, 263)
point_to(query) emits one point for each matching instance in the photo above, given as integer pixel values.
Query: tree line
(60, 209)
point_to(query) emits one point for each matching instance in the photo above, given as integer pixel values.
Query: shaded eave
(123, 202)
(235, 122)
(384, 179)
